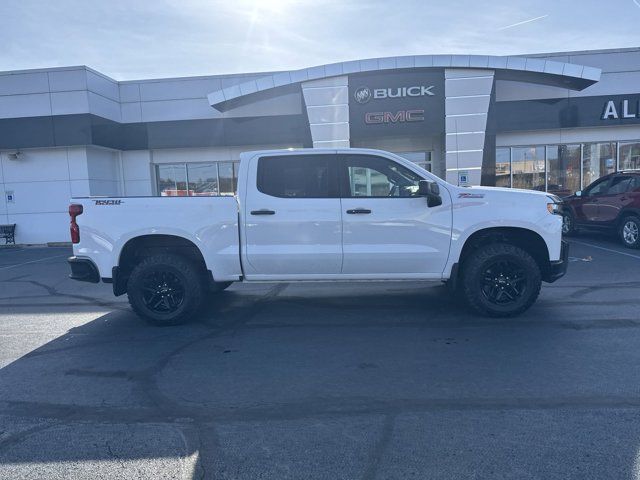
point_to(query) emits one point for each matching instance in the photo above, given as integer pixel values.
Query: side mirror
(579, 193)
(431, 190)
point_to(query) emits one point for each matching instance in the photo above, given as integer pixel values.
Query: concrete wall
(42, 182)
(468, 93)
(327, 104)
(212, 154)
(75, 90)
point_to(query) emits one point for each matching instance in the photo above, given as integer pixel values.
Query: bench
(8, 233)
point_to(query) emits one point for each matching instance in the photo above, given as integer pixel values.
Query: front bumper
(83, 270)
(558, 268)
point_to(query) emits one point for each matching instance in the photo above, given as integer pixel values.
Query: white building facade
(551, 122)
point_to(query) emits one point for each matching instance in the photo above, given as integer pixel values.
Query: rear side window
(298, 176)
(620, 185)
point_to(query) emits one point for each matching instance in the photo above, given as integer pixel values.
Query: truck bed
(211, 223)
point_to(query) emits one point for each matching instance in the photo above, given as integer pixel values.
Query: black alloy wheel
(504, 282)
(166, 289)
(162, 291)
(500, 280)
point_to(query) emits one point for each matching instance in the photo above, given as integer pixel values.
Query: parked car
(611, 203)
(327, 215)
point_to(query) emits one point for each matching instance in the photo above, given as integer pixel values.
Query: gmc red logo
(401, 116)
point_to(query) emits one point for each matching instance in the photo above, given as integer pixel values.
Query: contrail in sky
(531, 20)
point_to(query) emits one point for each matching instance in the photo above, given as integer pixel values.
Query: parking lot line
(33, 261)
(606, 249)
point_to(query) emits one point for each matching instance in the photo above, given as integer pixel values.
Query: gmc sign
(401, 116)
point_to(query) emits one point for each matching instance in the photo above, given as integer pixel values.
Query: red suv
(610, 203)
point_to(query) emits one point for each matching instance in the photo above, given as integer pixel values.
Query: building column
(467, 98)
(327, 104)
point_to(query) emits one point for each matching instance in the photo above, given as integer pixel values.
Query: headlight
(554, 208)
(555, 205)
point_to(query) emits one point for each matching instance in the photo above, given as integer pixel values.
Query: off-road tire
(632, 222)
(185, 274)
(488, 257)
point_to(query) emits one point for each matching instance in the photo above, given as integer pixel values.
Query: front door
(388, 230)
(586, 207)
(293, 225)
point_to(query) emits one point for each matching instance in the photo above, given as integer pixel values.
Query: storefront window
(527, 166)
(204, 179)
(503, 167)
(172, 180)
(563, 169)
(629, 155)
(227, 180)
(598, 160)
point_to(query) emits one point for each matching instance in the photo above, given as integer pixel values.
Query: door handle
(355, 211)
(263, 211)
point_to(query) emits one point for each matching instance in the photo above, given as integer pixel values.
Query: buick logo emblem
(362, 95)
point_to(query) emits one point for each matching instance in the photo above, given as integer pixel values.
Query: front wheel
(630, 232)
(165, 289)
(500, 280)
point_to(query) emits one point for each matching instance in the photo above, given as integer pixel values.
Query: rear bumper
(558, 268)
(83, 270)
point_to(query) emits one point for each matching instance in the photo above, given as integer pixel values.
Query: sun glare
(259, 9)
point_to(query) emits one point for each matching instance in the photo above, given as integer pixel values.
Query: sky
(137, 39)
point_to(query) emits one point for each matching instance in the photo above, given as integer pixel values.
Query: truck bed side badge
(109, 202)
(471, 195)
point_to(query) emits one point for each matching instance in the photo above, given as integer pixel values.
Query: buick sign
(362, 95)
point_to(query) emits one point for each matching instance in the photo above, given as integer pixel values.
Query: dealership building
(553, 122)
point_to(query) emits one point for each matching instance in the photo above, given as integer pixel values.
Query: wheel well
(527, 240)
(146, 245)
(624, 214)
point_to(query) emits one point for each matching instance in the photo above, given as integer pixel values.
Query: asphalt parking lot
(322, 381)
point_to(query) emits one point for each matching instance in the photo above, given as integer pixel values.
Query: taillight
(75, 209)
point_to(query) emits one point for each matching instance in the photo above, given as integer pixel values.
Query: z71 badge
(108, 202)
(471, 195)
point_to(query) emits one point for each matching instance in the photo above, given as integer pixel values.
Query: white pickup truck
(321, 215)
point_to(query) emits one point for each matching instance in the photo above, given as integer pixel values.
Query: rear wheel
(500, 280)
(165, 289)
(630, 231)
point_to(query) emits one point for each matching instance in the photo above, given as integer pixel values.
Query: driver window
(370, 176)
(598, 188)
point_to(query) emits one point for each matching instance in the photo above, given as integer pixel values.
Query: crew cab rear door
(293, 226)
(390, 231)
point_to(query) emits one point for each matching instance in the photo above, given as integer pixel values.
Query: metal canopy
(533, 70)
